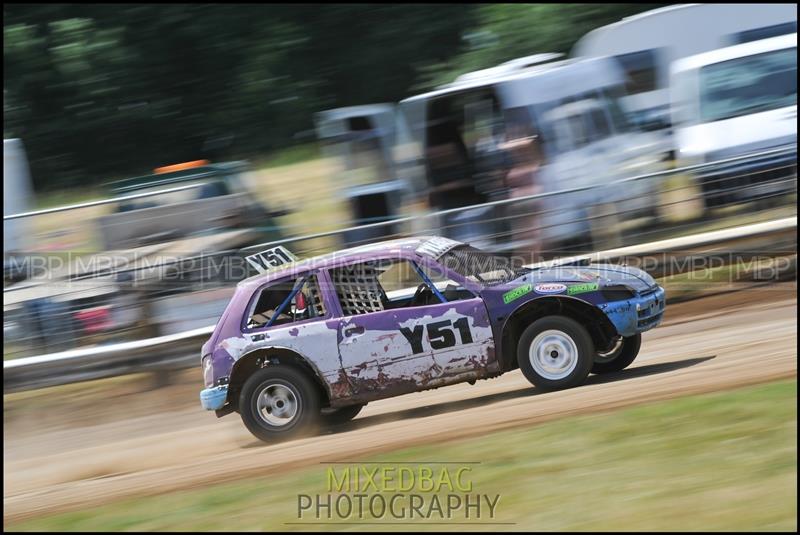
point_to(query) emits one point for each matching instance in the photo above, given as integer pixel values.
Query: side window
(764, 33)
(365, 156)
(380, 285)
(576, 116)
(483, 123)
(483, 135)
(601, 126)
(579, 128)
(554, 117)
(271, 307)
(611, 96)
(640, 68)
(546, 124)
(448, 155)
(358, 289)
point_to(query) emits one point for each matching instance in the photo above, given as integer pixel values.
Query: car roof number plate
(271, 259)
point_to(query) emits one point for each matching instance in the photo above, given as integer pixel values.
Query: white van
(647, 44)
(360, 140)
(567, 112)
(735, 101)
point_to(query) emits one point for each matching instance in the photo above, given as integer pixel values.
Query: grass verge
(289, 156)
(723, 461)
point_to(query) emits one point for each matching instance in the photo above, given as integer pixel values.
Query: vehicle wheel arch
(596, 322)
(253, 360)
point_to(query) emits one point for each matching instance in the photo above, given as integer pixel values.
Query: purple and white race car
(317, 339)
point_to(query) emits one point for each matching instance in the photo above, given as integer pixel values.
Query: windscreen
(481, 266)
(748, 85)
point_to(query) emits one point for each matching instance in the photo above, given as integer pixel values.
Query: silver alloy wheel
(611, 354)
(553, 354)
(277, 404)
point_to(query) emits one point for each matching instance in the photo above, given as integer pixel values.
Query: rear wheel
(341, 415)
(619, 357)
(555, 352)
(279, 402)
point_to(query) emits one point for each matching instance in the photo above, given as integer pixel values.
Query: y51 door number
(442, 334)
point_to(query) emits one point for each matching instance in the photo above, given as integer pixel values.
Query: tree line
(107, 91)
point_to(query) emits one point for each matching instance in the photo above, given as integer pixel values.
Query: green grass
(290, 156)
(76, 195)
(279, 175)
(724, 461)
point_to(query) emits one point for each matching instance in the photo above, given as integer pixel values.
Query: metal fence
(151, 298)
(180, 350)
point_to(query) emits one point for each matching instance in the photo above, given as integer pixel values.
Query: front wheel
(618, 358)
(555, 352)
(279, 402)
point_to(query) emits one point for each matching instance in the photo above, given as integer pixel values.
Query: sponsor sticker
(576, 289)
(516, 293)
(549, 288)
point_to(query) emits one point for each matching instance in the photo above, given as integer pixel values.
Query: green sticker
(516, 293)
(582, 288)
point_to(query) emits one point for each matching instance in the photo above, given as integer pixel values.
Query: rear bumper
(213, 399)
(639, 314)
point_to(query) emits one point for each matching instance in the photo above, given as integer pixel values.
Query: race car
(309, 342)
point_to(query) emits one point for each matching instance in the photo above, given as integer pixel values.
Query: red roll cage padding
(300, 301)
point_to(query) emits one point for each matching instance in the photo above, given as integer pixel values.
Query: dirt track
(712, 344)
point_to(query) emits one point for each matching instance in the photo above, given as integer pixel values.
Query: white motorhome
(516, 132)
(646, 44)
(736, 101)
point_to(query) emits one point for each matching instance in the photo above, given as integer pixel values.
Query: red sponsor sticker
(549, 288)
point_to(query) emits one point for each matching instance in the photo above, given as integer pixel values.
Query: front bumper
(213, 399)
(638, 314)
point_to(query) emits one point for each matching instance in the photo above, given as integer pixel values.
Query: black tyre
(341, 415)
(555, 352)
(279, 402)
(619, 359)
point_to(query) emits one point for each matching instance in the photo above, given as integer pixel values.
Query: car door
(398, 350)
(461, 339)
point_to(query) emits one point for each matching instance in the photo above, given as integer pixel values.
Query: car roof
(431, 246)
